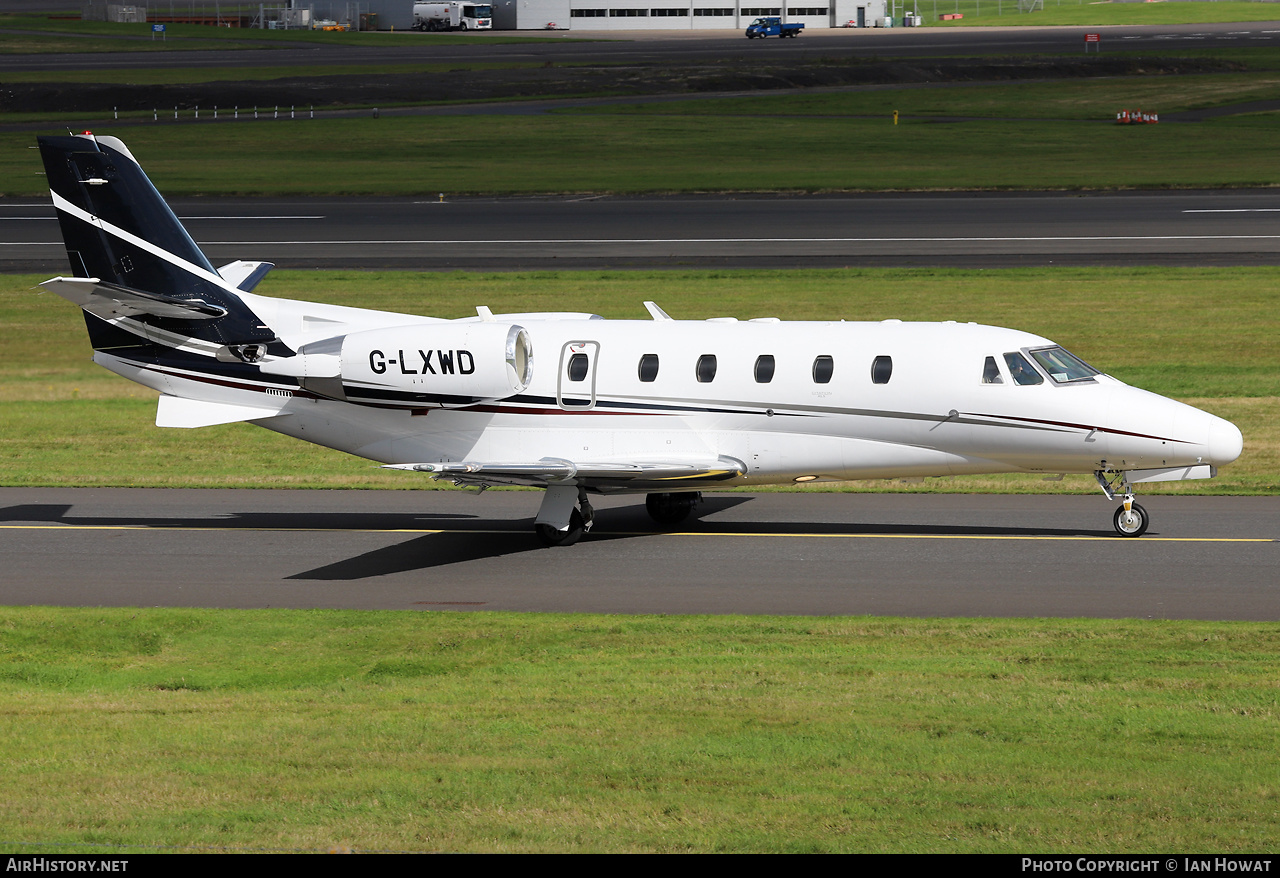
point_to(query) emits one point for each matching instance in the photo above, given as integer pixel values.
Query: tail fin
(135, 266)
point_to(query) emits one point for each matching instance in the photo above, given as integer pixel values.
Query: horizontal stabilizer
(175, 411)
(109, 300)
(550, 470)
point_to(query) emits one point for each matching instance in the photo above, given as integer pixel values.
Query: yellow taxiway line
(774, 535)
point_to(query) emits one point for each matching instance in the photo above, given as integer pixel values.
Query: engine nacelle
(437, 364)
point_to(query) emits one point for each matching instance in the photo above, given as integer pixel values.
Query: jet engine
(431, 364)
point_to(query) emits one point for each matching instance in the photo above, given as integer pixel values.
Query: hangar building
(679, 14)
(652, 14)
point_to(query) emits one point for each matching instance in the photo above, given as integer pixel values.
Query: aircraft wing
(109, 300)
(635, 475)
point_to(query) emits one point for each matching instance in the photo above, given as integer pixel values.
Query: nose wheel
(1130, 520)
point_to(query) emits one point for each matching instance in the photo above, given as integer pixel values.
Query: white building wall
(847, 10)
(531, 14)
(622, 15)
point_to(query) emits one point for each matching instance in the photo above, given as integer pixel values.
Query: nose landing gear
(1130, 519)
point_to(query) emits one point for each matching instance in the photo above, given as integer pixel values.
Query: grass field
(511, 732)
(70, 422)
(627, 154)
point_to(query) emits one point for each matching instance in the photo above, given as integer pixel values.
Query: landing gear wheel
(550, 536)
(1132, 523)
(670, 509)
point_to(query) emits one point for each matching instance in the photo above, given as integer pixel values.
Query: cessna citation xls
(659, 407)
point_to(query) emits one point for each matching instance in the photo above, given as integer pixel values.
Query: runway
(1225, 227)
(805, 554)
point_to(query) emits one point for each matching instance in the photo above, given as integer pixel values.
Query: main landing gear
(565, 515)
(1130, 520)
(669, 510)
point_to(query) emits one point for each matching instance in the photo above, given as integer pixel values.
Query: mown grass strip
(506, 732)
(626, 153)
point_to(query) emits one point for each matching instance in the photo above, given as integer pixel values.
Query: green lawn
(621, 153)
(282, 729)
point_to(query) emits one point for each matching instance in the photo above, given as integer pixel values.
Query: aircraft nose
(1225, 441)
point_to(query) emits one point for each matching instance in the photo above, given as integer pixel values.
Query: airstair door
(576, 386)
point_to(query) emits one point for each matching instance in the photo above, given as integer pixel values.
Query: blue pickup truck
(772, 27)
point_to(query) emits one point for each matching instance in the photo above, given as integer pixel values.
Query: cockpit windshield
(1063, 366)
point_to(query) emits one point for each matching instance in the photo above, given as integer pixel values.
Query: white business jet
(660, 407)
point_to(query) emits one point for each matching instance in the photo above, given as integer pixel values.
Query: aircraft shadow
(442, 549)
(301, 520)
(469, 537)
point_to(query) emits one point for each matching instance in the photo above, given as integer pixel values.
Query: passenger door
(576, 384)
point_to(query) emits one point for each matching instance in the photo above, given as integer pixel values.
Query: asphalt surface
(1230, 227)
(806, 554)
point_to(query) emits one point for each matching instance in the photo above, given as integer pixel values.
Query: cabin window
(764, 368)
(1023, 372)
(1062, 366)
(991, 372)
(706, 368)
(823, 367)
(881, 370)
(648, 367)
(578, 366)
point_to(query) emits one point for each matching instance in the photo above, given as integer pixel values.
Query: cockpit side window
(1063, 367)
(991, 372)
(1023, 372)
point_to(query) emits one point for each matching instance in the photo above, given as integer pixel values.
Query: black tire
(670, 509)
(463, 26)
(550, 536)
(1132, 525)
